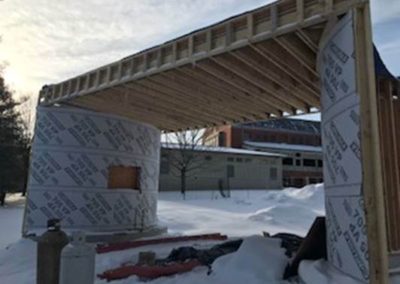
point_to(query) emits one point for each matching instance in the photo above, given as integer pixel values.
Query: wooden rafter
(282, 38)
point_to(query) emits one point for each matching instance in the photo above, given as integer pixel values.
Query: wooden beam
(245, 100)
(147, 101)
(286, 63)
(121, 99)
(299, 51)
(300, 10)
(303, 99)
(290, 16)
(204, 105)
(97, 104)
(386, 155)
(199, 93)
(395, 140)
(240, 84)
(370, 145)
(305, 36)
(390, 163)
(176, 101)
(275, 93)
(221, 101)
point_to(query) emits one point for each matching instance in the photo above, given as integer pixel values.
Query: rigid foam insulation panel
(72, 153)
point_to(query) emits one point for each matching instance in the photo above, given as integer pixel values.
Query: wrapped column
(340, 126)
(73, 153)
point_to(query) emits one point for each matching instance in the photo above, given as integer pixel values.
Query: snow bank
(292, 209)
(321, 272)
(282, 216)
(258, 260)
(11, 219)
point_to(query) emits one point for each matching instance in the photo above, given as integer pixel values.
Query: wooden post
(372, 173)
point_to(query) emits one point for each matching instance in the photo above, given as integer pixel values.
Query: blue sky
(49, 41)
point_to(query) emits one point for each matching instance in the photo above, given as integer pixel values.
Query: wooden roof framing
(253, 66)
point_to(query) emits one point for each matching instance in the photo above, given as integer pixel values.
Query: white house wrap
(71, 155)
(345, 213)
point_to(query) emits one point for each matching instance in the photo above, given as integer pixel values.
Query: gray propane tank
(49, 248)
(77, 261)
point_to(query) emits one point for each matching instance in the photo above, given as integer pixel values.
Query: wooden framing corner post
(370, 144)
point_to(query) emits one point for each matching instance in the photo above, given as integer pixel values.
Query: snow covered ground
(245, 214)
(11, 219)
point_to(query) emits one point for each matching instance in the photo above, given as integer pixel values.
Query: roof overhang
(253, 66)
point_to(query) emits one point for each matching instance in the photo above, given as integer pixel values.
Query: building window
(222, 139)
(287, 161)
(230, 169)
(298, 162)
(309, 163)
(230, 159)
(286, 182)
(320, 164)
(208, 158)
(298, 155)
(239, 160)
(273, 173)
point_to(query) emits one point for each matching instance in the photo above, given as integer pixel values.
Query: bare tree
(186, 160)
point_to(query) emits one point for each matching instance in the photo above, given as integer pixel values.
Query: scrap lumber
(149, 272)
(104, 248)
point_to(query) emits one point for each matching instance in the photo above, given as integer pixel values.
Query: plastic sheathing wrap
(72, 152)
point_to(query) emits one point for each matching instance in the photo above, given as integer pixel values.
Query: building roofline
(222, 150)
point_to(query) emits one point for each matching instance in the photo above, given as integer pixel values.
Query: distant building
(302, 164)
(298, 140)
(224, 167)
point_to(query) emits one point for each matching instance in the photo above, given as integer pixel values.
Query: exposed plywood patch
(124, 177)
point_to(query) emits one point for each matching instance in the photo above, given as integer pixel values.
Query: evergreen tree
(13, 144)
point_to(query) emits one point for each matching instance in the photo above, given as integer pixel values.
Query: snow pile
(321, 272)
(258, 260)
(306, 204)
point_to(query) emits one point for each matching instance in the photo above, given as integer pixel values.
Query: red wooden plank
(134, 244)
